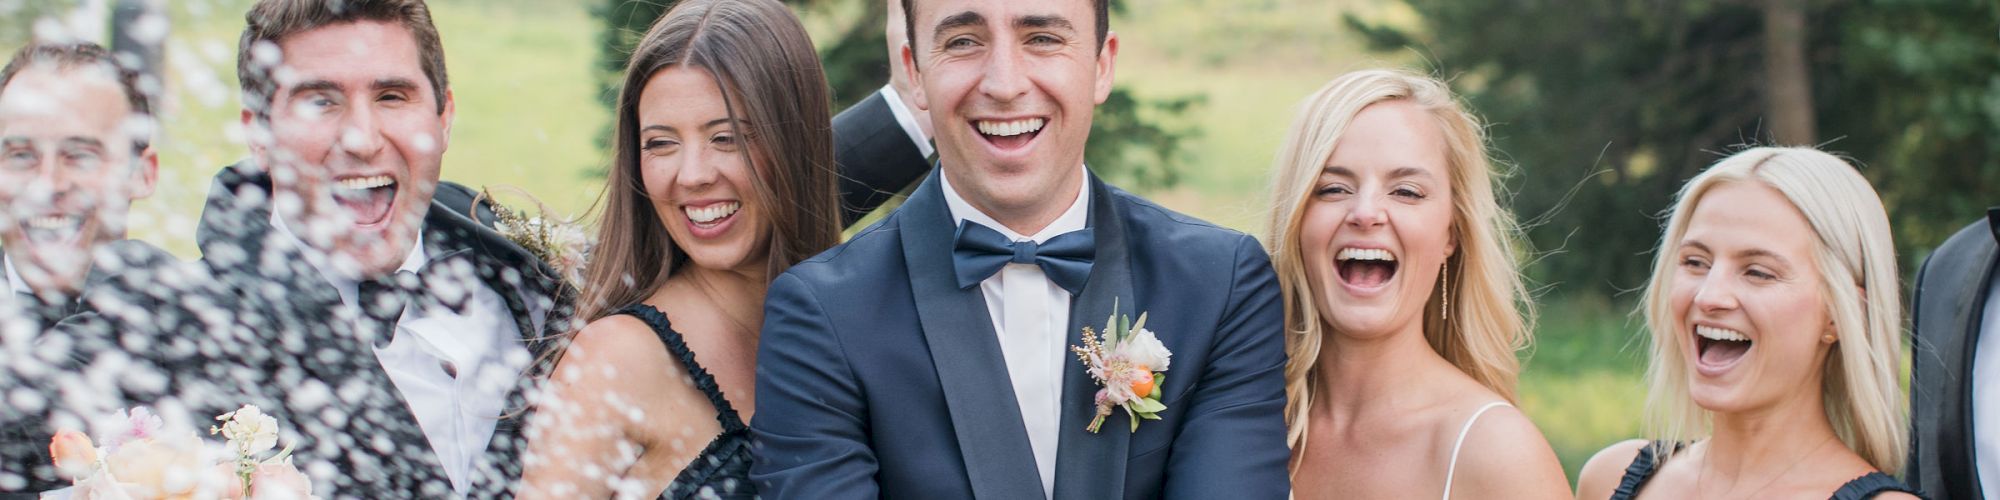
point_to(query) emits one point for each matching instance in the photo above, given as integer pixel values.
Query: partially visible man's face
(355, 142)
(1011, 86)
(68, 172)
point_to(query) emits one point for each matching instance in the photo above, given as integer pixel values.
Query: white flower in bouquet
(248, 430)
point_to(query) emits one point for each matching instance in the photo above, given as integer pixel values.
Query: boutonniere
(1128, 361)
(556, 241)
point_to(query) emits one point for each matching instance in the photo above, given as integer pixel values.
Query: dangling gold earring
(1444, 289)
(1829, 338)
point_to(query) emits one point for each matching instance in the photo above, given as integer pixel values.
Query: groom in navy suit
(928, 356)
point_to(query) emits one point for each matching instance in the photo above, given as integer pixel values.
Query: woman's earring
(1829, 338)
(1444, 289)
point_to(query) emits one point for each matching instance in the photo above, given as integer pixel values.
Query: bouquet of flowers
(143, 461)
(1128, 360)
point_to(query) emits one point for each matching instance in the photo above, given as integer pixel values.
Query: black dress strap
(724, 413)
(1871, 484)
(722, 469)
(1641, 470)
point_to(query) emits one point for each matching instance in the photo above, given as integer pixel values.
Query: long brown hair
(765, 64)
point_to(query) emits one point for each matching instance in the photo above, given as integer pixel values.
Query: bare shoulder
(1505, 456)
(1895, 495)
(617, 365)
(1600, 475)
(616, 343)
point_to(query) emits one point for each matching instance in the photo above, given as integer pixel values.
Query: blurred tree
(1607, 107)
(1133, 140)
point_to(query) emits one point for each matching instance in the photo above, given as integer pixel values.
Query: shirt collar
(14, 277)
(907, 120)
(346, 284)
(1073, 219)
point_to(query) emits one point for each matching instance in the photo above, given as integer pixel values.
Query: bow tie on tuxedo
(383, 300)
(980, 251)
(47, 312)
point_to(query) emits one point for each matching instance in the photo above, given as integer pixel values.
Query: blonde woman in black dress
(1776, 328)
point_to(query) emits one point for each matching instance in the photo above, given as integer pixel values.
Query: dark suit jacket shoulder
(875, 157)
(1946, 308)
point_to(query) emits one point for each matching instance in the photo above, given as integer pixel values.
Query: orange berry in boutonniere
(1142, 384)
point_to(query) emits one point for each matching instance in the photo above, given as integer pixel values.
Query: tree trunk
(1788, 91)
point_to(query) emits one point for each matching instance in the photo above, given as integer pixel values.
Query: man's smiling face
(1011, 87)
(357, 138)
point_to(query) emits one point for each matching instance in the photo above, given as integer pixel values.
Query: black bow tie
(446, 281)
(47, 313)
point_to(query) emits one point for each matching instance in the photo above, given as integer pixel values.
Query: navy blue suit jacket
(879, 377)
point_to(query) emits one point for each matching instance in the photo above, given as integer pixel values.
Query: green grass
(1583, 383)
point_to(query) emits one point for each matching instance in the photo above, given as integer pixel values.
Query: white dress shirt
(1030, 315)
(14, 277)
(1986, 396)
(908, 120)
(457, 412)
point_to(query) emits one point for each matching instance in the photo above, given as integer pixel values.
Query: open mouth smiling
(1717, 349)
(368, 198)
(1010, 134)
(1365, 268)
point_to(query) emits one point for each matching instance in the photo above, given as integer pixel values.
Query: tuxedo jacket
(1946, 310)
(67, 338)
(876, 158)
(355, 419)
(878, 376)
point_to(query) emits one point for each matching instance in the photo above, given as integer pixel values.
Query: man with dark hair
(410, 321)
(1955, 379)
(75, 151)
(954, 376)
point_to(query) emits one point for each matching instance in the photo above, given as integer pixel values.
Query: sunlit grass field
(528, 116)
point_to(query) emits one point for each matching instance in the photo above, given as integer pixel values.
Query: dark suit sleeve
(811, 430)
(876, 158)
(1233, 443)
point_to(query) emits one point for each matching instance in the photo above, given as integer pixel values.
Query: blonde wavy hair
(1491, 317)
(1856, 260)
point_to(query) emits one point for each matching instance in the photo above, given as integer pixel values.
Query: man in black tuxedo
(1955, 382)
(403, 323)
(75, 151)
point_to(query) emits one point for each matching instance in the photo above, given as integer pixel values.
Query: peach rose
(163, 466)
(74, 455)
(279, 482)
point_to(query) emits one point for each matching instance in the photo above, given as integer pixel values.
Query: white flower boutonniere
(1128, 361)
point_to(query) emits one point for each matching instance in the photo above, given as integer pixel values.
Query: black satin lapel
(971, 369)
(1957, 461)
(445, 238)
(1092, 466)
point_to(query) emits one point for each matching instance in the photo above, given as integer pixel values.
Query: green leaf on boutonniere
(1159, 379)
(1147, 405)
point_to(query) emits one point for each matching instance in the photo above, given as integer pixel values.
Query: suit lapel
(1092, 466)
(1968, 309)
(450, 234)
(971, 369)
